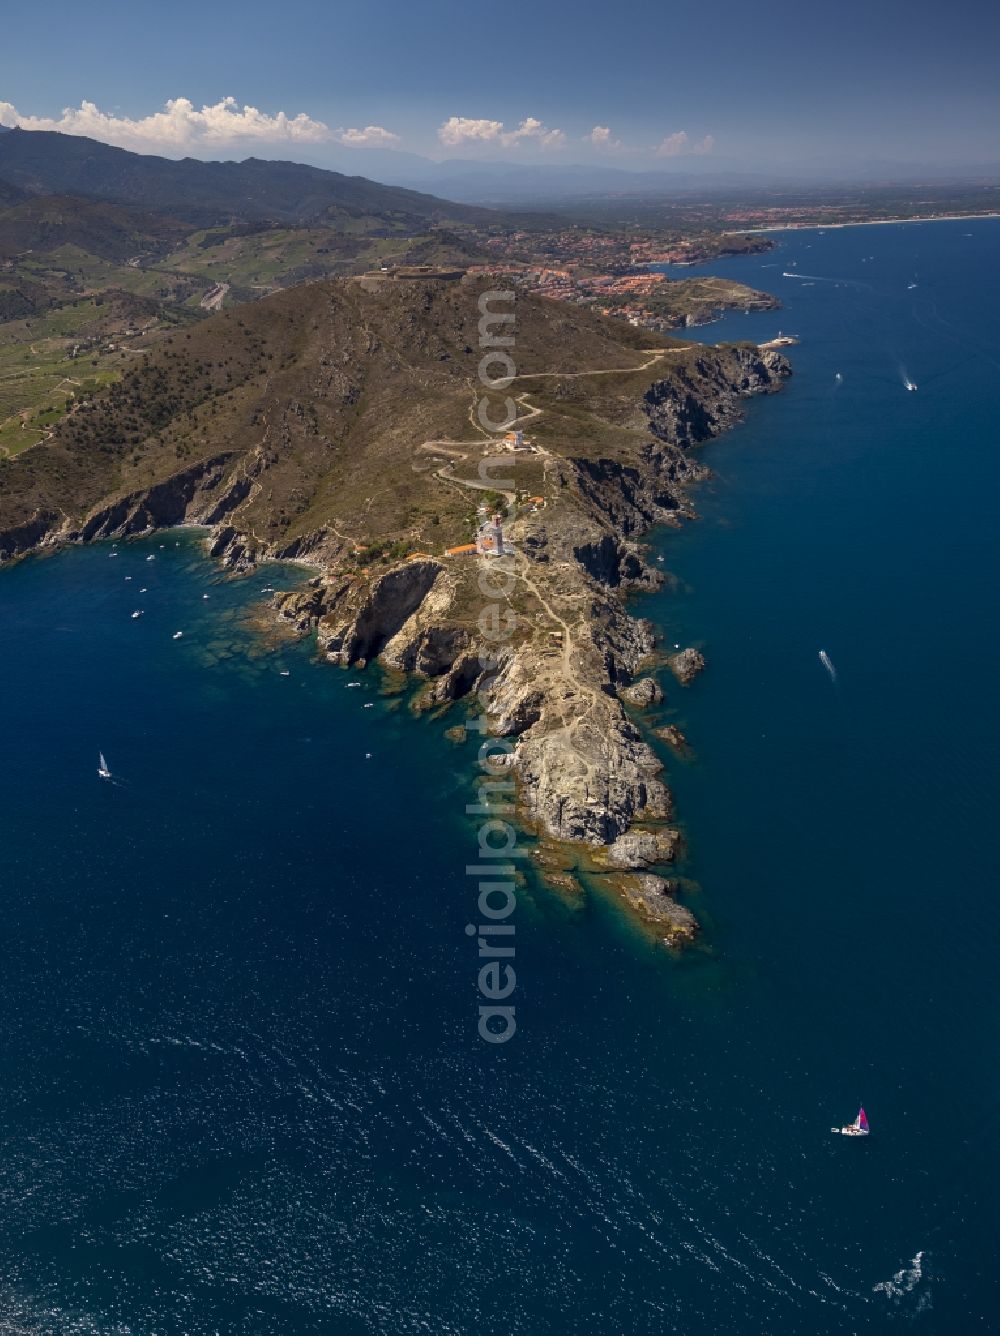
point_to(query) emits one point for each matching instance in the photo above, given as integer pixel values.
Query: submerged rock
(653, 899)
(674, 738)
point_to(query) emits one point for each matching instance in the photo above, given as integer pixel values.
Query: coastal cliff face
(317, 461)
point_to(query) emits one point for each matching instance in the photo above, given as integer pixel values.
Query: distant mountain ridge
(43, 162)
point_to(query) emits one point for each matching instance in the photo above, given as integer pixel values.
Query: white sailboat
(102, 767)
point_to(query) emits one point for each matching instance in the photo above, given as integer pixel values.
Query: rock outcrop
(644, 848)
(383, 618)
(686, 665)
(643, 693)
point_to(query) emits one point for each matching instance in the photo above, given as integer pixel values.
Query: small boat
(910, 384)
(177, 635)
(838, 376)
(143, 590)
(354, 684)
(102, 767)
(204, 596)
(137, 613)
(151, 557)
(859, 1128)
(285, 672)
(369, 706)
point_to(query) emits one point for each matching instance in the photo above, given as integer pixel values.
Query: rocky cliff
(567, 697)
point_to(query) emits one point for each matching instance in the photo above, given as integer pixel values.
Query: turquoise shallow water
(241, 1086)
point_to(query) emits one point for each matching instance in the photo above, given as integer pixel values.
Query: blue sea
(241, 1086)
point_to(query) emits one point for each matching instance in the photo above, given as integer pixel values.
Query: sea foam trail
(816, 278)
(858, 283)
(904, 1281)
(827, 663)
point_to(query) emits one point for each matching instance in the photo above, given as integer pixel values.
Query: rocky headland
(332, 425)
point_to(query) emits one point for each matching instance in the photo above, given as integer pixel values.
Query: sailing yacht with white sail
(102, 767)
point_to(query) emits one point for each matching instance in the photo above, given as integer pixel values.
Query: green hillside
(326, 394)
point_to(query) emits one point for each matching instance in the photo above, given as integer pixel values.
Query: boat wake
(827, 663)
(819, 278)
(104, 771)
(857, 283)
(905, 1280)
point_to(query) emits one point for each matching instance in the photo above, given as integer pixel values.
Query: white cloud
(181, 128)
(679, 142)
(602, 138)
(463, 131)
(372, 136)
(530, 128)
(672, 145)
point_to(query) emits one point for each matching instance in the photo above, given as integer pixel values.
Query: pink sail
(862, 1120)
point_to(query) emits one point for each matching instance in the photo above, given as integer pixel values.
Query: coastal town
(624, 274)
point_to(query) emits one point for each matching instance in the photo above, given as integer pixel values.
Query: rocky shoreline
(568, 691)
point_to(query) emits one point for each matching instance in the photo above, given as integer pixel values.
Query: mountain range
(42, 162)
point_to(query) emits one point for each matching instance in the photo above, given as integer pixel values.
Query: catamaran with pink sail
(859, 1128)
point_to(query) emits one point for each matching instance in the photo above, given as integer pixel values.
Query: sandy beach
(866, 222)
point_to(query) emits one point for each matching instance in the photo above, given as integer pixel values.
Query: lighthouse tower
(497, 536)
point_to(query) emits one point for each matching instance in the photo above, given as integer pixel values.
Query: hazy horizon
(489, 180)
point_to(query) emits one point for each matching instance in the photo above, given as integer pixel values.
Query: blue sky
(755, 84)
